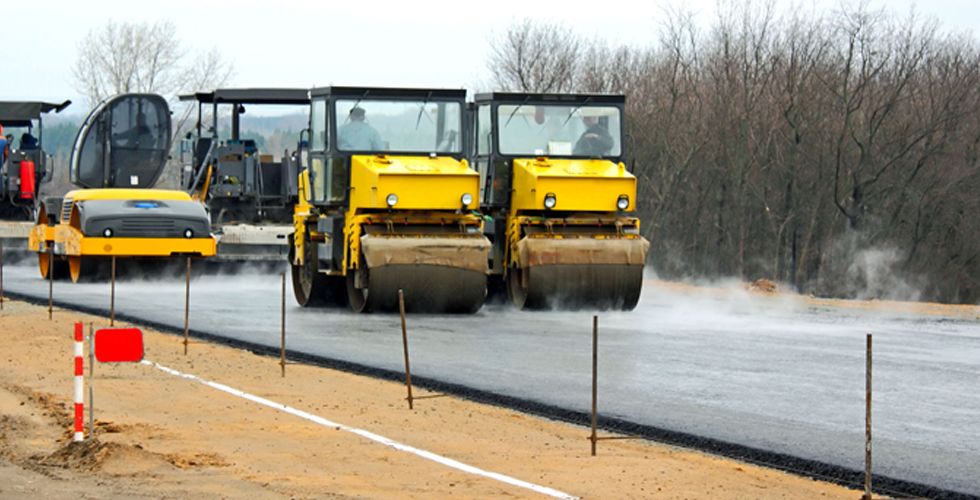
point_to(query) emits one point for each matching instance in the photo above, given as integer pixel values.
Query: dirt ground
(162, 436)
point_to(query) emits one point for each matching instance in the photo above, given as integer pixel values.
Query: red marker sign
(119, 345)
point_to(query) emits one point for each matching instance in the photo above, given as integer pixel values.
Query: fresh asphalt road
(756, 371)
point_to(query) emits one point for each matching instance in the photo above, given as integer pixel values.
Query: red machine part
(27, 180)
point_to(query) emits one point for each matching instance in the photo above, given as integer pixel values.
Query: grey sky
(304, 43)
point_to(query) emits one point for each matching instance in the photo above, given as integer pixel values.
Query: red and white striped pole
(79, 385)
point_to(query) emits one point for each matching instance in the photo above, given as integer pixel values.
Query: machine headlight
(107, 232)
(188, 233)
(550, 201)
(391, 200)
(623, 202)
(467, 198)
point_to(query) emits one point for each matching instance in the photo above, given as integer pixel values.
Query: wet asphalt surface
(758, 372)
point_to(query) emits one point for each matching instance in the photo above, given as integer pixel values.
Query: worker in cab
(28, 141)
(356, 135)
(595, 140)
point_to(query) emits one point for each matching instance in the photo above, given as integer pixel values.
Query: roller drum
(578, 273)
(427, 289)
(577, 286)
(438, 274)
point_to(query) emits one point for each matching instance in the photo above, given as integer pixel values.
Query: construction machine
(387, 203)
(559, 199)
(24, 164)
(119, 153)
(250, 193)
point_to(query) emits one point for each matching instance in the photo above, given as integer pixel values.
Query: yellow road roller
(119, 153)
(559, 199)
(387, 202)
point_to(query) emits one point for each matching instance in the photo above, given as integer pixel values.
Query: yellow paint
(202, 195)
(420, 182)
(301, 214)
(578, 185)
(39, 235)
(77, 244)
(127, 194)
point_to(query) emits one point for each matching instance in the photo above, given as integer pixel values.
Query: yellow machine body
(428, 240)
(578, 185)
(65, 239)
(585, 250)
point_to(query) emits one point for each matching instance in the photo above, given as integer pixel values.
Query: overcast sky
(295, 43)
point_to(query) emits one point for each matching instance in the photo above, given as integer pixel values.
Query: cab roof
(251, 96)
(20, 113)
(550, 97)
(388, 92)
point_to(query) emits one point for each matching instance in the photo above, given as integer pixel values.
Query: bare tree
(142, 57)
(535, 57)
(128, 57)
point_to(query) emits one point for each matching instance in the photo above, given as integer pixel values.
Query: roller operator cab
(559, 198)
(388, 202)
(24, 164)
(119, 153)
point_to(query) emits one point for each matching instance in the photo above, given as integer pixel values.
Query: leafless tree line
(836, 152)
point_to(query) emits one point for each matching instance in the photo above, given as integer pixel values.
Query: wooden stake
(112, 295)
(282, 342)
(867, 421)
(408, 371)
(50, 279)
(187, 304)
(595, 378)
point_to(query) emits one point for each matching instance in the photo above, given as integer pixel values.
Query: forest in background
(836, 153)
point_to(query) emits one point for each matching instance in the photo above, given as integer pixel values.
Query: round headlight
(188, 233)
(550, 201)
(623, 202)
(391, 200)
(107, 232)
(467, 198)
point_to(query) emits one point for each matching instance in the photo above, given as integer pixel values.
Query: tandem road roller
(388, 202)
(559, 199)
(119, 153)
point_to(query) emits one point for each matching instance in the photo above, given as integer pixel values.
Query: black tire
(313, 288)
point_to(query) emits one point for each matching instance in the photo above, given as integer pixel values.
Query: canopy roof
(251, 96)
(20, 113)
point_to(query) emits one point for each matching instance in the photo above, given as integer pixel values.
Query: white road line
(367, 434)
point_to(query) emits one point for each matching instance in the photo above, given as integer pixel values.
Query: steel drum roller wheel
(427, 288)
(576, 286)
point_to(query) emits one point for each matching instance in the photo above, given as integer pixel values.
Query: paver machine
(239, 182)
(24, 164)
(559, 199)
(388, 202)
(119, 153)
